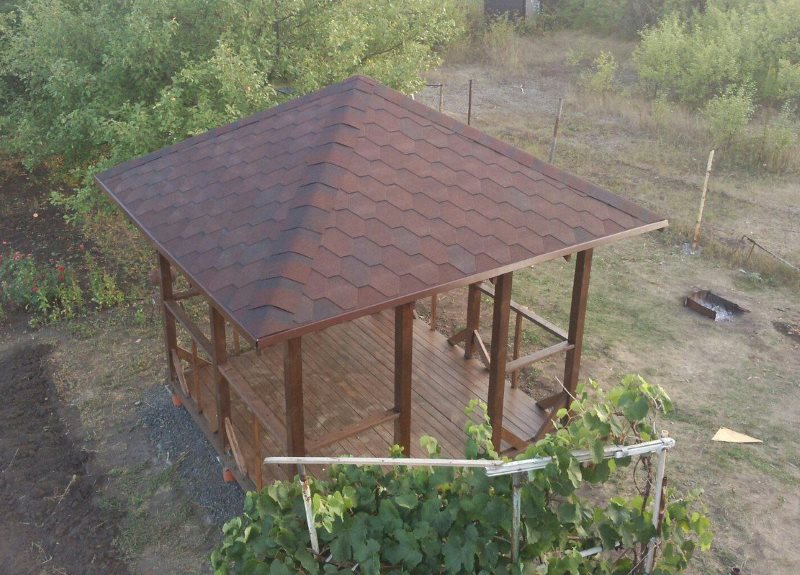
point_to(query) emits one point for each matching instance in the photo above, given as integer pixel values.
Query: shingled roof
(354, 199)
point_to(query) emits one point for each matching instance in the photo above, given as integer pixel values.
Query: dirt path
(50, 522)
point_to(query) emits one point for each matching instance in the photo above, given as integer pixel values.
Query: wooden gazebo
(311, 229)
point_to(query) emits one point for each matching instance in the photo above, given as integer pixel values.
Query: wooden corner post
(218, 357)
(170, 333)
(499, 352)
(403, 362)
(580, 294)
(473, 319)
(293, 395)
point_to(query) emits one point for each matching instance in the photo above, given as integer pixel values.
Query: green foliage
(727, 116)
(601, 78)
(730, 45)
(50, 292)
(622, 17)
(445, 520)
(102, 285)
(94, 83)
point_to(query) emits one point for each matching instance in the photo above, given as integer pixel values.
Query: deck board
(348, 375)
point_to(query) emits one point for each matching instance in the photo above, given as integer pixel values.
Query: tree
(92, 83)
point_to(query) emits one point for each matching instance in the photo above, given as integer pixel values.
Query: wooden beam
(526, 360)
(497, 365)
(170, 333)
(549, 424)
(580, 294)
(219, 355)
(403, 360)
(189, 293)
(482, 351)
(534, 318)
(368, 422)
(550, 401)
(293, 391)
(178, 313)
(515, 440)
(473, 318)
(458, 337)
(258, 458)
(517, 343)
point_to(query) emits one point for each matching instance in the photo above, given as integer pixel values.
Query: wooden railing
(518, 363)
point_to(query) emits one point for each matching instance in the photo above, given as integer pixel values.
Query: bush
(442, 520)
(50, 292)
(95, 83)
(728, 115)
(622, 17)
(601, 78)
(732, 43)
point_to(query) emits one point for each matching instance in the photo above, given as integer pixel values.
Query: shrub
(731, 43)
(727, 116)
(443, 520)
(49, 292)
(601, 78)
(94, 83)
(102, 285)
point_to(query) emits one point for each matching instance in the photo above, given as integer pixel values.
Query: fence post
(469, 105)
(659, 487)
(696, 237)
(516, 519)
(555, 130)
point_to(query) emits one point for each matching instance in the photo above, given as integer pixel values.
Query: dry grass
(741, 375)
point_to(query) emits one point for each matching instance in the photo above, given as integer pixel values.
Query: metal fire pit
(713, 306)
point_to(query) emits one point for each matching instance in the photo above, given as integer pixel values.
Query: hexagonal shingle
(353, 197)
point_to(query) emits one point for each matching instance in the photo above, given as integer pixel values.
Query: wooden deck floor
(348, 375)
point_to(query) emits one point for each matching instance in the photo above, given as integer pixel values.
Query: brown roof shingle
(352, 199)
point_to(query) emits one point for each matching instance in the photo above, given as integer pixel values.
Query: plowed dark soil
(49, 522)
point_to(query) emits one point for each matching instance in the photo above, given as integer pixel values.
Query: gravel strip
(173, 433)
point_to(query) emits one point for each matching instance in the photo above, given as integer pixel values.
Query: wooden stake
(469, 105)
(517, 342)
(555, 130)
(441, 97)
(696, 238)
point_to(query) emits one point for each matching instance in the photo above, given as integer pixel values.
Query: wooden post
(293, 390)
(469, 105)
(220, 356)
(497, 365)
(441, 97)
(170, 333)
(555, 130)
(473, 319)
(434, 306)
(258, 460)
(517, 343)
(696, 237)
(577, 315)
(403, 348)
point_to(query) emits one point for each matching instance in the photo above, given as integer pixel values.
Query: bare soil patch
(50, 522)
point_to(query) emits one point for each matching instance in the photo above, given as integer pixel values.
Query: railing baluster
(517, 342)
